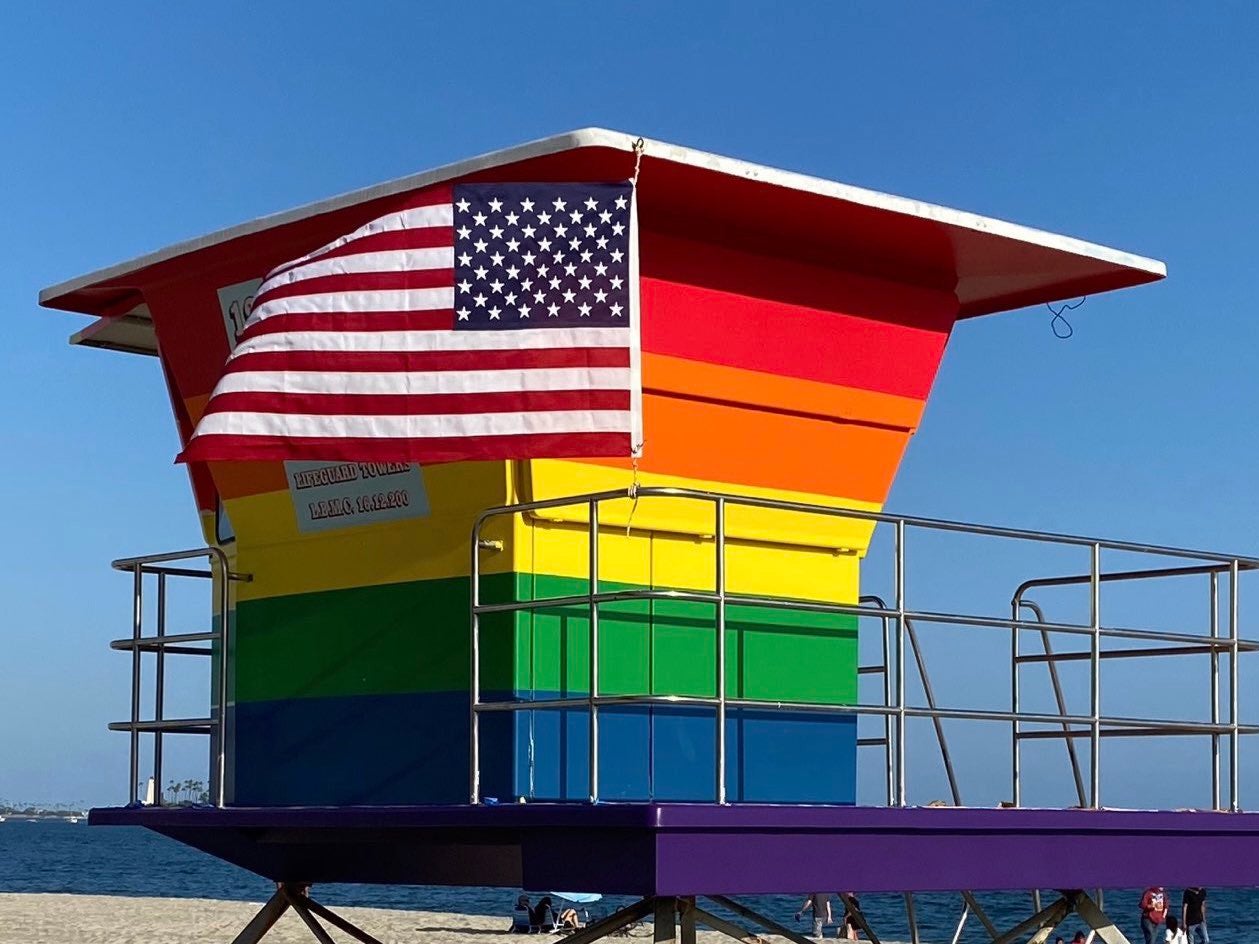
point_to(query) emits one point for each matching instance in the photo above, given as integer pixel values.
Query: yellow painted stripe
(555, 478)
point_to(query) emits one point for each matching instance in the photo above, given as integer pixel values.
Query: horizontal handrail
(167, 725)
(153, 643)
(852, 609)
(936, 524)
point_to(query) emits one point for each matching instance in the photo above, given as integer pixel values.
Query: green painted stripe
(413, 637)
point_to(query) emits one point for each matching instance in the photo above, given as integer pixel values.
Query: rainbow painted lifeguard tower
(529, 674)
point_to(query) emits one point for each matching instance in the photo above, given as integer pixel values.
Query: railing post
(900, 662)
(474, 670)
(1234, 742)
(719, 542)
(225, 643)
(886, 626)
(1016, 786)
(159, 687)
(1095, 676)
(1215, 690)
(594, 650)
(137, 618)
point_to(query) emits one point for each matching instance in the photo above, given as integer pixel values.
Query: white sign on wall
(236, 302)
(329, 495)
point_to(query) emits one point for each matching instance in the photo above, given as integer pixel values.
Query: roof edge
(602, 137)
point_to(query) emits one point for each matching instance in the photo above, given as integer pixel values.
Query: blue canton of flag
(542, 255)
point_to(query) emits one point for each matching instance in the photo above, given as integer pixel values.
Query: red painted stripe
(360, 282)
(427, 237)
(397, 361)
(435, 320)
(419, 404)
(448, 449)
(790, 340)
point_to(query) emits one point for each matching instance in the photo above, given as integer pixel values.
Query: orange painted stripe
(698, 439)
(756, 388)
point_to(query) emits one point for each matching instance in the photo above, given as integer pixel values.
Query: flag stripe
(364, 361)
(416, 299)
(405, 382)
(352, 322)
(411, 426)
(386, 260)
(512, 401)
(356, 282)
(353, 339)
(431, 449)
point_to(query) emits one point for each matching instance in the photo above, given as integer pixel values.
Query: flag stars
(602, 242)
(544, 217)
(512, 219)
(559, 204)
(463, 314)
(480, 272)
(616, 282)
(617, 255)
(560, 229)
(479, 219)
(496, 286)
(496, 232)
(569, 295)
(584, 309)
(621, 203)
(465, 286)
(463, 206)
(524, 311)
(510, 298)
(513, 245)
(590, 229)
(527, 258)
(465, 259)
(584, 281)
(605, 217)
(527, 232)
(586, 255)
(591, 204)
(600, 268)
(618, 228)
(480, 301)
(494, 313)
(601, 296)
(481, 245)
(616, 311)
(553, 310)
(575, 216)
(539, 297)
(497, 258)
(527, 205)
(464, 232)
(513, 272)
(496, 205)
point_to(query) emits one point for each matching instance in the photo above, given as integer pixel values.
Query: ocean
(48, 856)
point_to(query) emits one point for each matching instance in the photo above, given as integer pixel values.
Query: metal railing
(896, 709)
(162, 644)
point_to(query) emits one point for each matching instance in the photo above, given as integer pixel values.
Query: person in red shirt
(1153, 912)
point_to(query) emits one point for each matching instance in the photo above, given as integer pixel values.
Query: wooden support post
(769, 924)
(613, 922)
(666, 931)
(977, 909)
(1052, 916)
(686, 914)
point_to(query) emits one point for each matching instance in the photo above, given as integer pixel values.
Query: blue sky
(129, 126)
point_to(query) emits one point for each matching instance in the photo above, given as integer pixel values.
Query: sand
(100, 919)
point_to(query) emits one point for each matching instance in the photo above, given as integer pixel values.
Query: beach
(110, 919)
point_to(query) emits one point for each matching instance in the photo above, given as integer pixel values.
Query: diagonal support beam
(978, 910)
(852, 908)
(613, 922)
(769, 924)
(1096, 919)
(265, 919)
(337, 921)
(728, 928)
(1051, 916)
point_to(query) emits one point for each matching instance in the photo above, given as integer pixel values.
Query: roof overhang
(991, 265)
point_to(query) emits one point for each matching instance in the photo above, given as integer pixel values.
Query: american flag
(479, 321)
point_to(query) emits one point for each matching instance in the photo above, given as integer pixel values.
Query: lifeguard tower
(560, 673)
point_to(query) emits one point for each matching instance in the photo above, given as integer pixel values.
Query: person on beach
(1174, 934)
(542, 918)
(1153, 913)
(820, 904)
(521, 916)
(1193, 915)
(1079, 938)
(849, 927)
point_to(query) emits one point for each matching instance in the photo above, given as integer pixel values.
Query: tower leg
(265, 919)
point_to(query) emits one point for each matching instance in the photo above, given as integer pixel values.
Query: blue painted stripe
(413, 748)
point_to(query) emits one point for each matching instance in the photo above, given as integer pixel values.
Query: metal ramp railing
(896, 710)
(211, 643)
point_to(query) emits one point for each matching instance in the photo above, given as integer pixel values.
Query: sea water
(50, 856)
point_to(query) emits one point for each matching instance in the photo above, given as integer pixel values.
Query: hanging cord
(638, 147)
(1066, 330)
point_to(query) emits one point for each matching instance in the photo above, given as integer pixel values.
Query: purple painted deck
(682, 849)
